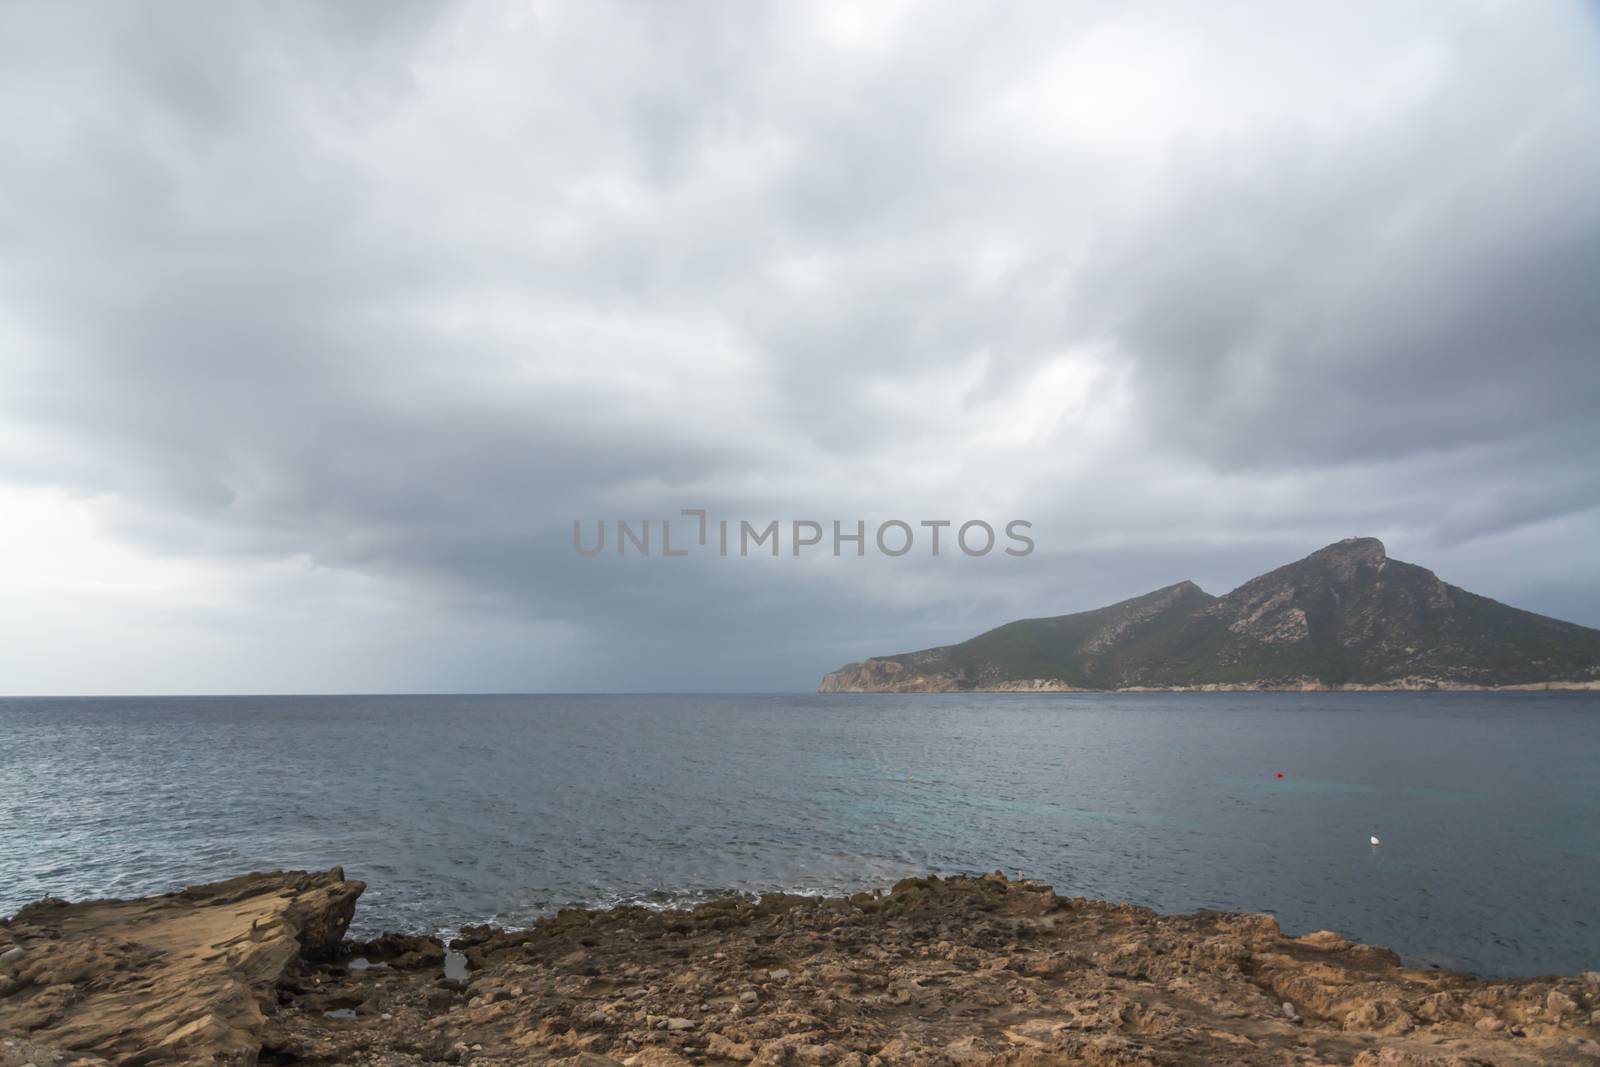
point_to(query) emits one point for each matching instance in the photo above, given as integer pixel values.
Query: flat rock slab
(952, 972)
(179, 978)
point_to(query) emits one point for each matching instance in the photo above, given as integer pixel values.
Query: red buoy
(1280, 774)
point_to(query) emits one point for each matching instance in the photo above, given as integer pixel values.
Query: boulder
(176, 978)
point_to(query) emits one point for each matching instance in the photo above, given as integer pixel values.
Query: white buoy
(1376, 842)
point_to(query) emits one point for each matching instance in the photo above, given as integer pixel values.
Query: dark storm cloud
(1449, 304)
(357, 307)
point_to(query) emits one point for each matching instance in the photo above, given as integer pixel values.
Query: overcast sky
(320, 324)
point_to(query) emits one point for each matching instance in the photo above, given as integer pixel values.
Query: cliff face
(1345, 616)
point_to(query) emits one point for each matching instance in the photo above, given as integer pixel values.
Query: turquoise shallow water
(460, 809)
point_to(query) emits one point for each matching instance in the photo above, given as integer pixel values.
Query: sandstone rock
(722, 1047)
(1324, 941)
(1381, 1016)
(982, 980)
(19, 1052)
(401, 951)
(175, 978)
(968, 1051)
(1375, 954)
(1394, 1057)
(589, 1059)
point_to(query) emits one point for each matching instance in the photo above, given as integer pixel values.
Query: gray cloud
(330, 320)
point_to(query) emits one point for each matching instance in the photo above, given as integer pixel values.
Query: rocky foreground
(948, 972)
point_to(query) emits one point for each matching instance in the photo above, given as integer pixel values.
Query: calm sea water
(462, 809)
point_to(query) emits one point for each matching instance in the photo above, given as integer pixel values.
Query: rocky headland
(1347, 617)
(955, 972)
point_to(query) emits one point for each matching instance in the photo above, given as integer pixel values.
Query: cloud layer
(319, 325)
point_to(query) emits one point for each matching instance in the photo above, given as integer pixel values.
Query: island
(1345, 617)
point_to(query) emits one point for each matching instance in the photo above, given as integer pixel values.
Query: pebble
(778, 975)
(678, 1024)
(12, 955)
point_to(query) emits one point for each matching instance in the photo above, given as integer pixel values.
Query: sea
(466, 809)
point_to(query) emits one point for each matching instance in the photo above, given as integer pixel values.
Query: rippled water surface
(459, 809)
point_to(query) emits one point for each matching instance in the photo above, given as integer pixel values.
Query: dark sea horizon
(502, 808)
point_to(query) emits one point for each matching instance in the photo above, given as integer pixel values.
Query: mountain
(1346, 616)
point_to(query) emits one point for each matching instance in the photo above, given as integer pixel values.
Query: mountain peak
(1368, 549)
(1342, 561)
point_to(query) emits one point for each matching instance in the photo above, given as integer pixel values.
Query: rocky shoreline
(886, 676)
(956, 972)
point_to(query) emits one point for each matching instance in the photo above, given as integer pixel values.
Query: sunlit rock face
(187, 977)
